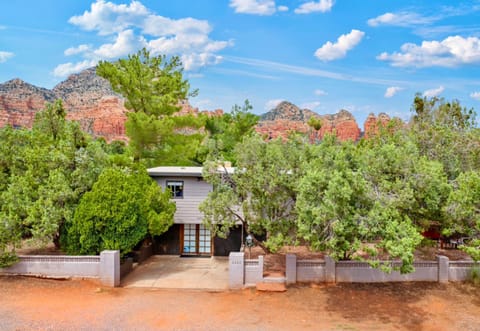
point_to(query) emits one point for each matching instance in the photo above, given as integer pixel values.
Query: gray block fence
(105, 267)
(249, 272)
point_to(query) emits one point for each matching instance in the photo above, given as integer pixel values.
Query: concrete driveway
(167, 271)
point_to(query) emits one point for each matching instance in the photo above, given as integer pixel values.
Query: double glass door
(196, 240)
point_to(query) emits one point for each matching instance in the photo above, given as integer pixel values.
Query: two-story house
(188, 236)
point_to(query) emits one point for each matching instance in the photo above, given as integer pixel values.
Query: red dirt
(42, 304)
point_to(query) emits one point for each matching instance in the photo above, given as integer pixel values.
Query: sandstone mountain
(286, 117)
(90, 100)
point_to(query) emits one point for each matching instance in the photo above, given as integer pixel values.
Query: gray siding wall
(195, 190)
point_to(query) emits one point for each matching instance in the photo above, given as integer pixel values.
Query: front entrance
(197, 240)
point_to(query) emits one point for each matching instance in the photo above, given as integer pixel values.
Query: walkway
(167, 271)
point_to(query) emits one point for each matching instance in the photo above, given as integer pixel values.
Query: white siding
(195, 190)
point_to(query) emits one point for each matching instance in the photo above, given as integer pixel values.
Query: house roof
(180, 171)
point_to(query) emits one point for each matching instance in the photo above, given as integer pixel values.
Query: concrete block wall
(249, 272)
(311, 271)
(236, 270)
(253, 271)
(55, 266)
(460, 270)
(105, 267)
(362, 272)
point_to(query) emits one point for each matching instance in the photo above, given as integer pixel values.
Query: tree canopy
(153, 87)
(123, 207)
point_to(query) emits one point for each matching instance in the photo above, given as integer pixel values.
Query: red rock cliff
(286, 118)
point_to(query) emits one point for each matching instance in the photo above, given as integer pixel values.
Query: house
(188, 236)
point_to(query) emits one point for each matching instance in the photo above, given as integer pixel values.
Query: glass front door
(197, 240)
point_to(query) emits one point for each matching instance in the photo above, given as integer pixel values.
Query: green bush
(124, 206)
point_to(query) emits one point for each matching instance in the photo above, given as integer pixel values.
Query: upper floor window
(176, 187)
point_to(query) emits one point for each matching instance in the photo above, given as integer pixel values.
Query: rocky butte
(90, 100)
(287, 117)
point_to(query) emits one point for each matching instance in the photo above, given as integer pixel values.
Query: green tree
(45, 171)
(123, 207)
(153, 88)
(315, 124)
(446, 132)
(226, 131)
(349, 201)
(463, 209)
(260, 194)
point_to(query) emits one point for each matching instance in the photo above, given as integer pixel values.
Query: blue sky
(325, 55)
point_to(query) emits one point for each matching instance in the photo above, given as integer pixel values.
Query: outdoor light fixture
(249, 244)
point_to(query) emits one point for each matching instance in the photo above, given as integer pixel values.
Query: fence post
(291, 268)
(443, 263)
(110, 268)
(330, 273)
(236, 269)
(260, 268)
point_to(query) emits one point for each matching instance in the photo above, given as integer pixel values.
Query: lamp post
(249, 244)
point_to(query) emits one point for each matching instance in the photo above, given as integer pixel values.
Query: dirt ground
(43, 304)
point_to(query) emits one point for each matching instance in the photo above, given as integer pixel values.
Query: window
(176, 187)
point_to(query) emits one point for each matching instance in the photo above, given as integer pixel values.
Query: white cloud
(332, 51)
(282, 8)
(77, 50)
(310, 105)
(270, 104)
(315, 6)
(320, 92)
(125, 43)
(195, 61)
(256, 7)
(403, 19)
(434, 92)
(475, 95)
(109, 18)
(159, 26)
(450, 52)
(391, 91)
(66, 69)
(127, 28)
(4, 56)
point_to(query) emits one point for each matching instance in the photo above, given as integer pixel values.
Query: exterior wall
(223, 247)
(459, 270)
(361, 272)
(310, 271)
(168, 242)
(105, 267)
(56, 266)
(253, 271)
(195, 190)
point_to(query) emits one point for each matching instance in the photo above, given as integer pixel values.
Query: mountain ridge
(90, 100)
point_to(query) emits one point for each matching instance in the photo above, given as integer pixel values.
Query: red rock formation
(373, 124)
(287, 118)
(105, 119)
(90, 100)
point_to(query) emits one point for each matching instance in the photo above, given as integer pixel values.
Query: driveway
(167, 271)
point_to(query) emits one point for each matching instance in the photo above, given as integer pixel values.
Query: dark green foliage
(226, 131)
(123, 207)
(151, 85)
(44, 173)
(153, 88)
(260, 194)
